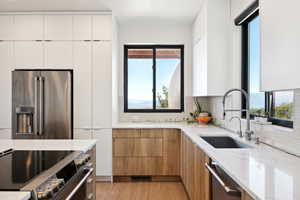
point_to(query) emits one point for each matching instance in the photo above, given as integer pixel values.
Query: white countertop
(15, 195)
(72, 145)
(264, 172)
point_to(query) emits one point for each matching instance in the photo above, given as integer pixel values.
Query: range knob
(45, 194)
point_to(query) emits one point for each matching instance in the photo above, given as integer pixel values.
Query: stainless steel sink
(224, 142)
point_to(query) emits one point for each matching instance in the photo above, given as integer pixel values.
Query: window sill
(273, 126)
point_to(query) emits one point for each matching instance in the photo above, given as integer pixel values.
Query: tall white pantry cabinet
(78, 41)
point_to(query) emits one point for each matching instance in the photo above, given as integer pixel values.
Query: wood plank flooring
(140, 191)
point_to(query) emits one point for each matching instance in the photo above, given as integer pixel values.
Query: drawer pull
(90, 196)
(90, 180)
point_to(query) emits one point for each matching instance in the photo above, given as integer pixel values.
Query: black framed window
(153, 78)
(277, 105)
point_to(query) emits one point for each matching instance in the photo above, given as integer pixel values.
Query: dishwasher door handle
(227, 188)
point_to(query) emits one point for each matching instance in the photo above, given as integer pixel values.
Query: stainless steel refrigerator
(42, 104)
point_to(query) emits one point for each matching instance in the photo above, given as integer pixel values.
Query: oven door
(77, 187)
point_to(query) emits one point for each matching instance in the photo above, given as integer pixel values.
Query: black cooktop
(19, 167)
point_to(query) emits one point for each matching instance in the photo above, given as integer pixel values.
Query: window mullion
(154, 78)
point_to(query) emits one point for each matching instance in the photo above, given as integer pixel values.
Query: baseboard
(104, 178)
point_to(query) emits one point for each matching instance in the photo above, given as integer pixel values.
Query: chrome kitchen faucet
(248, 132)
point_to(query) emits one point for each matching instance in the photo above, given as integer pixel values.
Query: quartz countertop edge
(264, 172)
(58, 145)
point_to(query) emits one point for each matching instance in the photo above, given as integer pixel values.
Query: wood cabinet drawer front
(138, 147)
(134, 166)
(126, 133)
(152, 133)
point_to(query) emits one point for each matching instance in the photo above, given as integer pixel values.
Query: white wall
(156, 31)
(284, 138)
(115, 82)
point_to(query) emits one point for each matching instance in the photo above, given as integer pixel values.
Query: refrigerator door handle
(41, 129)
(36, 125)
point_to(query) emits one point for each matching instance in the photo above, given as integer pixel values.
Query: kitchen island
(41, 145)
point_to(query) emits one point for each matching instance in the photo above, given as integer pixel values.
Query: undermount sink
(224, 142)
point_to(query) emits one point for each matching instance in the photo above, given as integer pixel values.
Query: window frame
(154, 108)
(269, 96)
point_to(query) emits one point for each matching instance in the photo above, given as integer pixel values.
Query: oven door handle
(80, 184)
(228, 189)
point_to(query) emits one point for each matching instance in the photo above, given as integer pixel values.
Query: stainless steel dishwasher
(223, 187)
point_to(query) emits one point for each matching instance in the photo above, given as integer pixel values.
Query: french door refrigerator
(42, 104)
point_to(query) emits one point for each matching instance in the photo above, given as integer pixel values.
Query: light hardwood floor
(140, 191)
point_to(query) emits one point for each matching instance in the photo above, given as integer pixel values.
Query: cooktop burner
(19, 167)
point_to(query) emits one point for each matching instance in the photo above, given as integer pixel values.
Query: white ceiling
(186, 9)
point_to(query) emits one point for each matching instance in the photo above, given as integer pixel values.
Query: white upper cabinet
(211, 49)
(59, 55)
(82, 84)
(280, 45)
(29, 27)
(199, 26)
(102, 84)
(58, 27)
(6, 63)
(102, 27)
(28, 54)
(82, 27)
(6, 33)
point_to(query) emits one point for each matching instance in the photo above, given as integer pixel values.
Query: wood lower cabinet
(171, 152)
(194, 175)
(138, 147)
(246, 196)
(146, 152)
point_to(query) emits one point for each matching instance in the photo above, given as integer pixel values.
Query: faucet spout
(248, 131)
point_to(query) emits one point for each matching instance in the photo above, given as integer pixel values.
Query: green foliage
(284, 111)
(198, 110)
(163, 98)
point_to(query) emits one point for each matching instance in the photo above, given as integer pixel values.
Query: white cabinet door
(280, 45)
(200, 73)
(82, 84)
(7, 27)
(102, 88)
(103, 152)
(102, 27)
(58, 27)
(29, 27)
(28, 54)
(5, 134)
(59, 55)
(82, 134)
(6, 62)
(82, 27)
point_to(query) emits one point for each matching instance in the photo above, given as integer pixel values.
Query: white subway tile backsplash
(283, 138)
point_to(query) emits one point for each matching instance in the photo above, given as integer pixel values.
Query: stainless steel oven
(223, 187)
(77, 182)
(78, 187)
